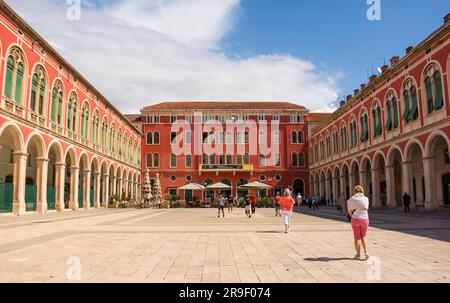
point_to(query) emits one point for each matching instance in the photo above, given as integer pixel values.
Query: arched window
(364, 125)
(119, 143)
(221, 137)
(391, 111)
(335, 142)
(84, 121)
(300, 138)
(156, 138)
(37, 91)
(328, 144)
(105, 133)
(57, 103)
(294, 137)
(156, 161)
(228, 138)
(344, 138)
(294, 159)
(112, 140)
(376, 120)
(72, 104)
(95, 126)
(410, 101)
(433, 88)
(148, 160)
(322, 149)
(149, 138)
(301, 160)
(14, 75)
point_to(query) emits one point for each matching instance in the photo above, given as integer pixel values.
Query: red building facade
(63, 146)
(393, 135)
(239, 158)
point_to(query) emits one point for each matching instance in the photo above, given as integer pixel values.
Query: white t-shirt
(360, 204)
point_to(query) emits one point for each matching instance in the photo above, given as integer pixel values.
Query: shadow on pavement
(326, 259)
(434, 225)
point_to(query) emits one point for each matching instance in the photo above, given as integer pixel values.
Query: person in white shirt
(358, 207)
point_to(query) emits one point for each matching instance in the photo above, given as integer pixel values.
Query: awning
(192, 186)
(255, 185)
(218, 186)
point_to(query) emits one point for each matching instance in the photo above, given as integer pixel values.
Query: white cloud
(145, 51)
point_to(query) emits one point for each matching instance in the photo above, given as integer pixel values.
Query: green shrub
(264, 202)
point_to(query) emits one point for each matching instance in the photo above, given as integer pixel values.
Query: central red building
(232, 150)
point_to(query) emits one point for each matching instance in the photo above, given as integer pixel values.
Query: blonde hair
(358, 189)
(287, 192)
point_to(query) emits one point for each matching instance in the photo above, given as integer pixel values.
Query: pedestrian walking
(358, 211)
(248, 203)
(221, 206)
(277, 205)
(406, 202)
(287, 203)
(253, 203)
(299, 201)
(230, 203)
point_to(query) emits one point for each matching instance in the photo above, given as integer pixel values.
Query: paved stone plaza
(193, 245)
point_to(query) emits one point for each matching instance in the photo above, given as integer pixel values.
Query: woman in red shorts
(358, 207)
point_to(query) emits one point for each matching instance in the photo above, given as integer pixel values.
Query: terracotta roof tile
(318, 117)
(224, 105)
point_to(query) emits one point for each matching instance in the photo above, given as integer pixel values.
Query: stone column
(97, 188)
(343, 185)
(113, 186)
(20, 173)
(376, 198)
(60, 170)
(328, 191)
(430, 183)
(119, 190)
(87, 188)
(390, 186)
(352, 181)
(335, 190)
(106, 193)
(74, 176)
(362, 181)
(407, 181)
(41, 177)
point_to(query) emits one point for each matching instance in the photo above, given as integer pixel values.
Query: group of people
(229, 201)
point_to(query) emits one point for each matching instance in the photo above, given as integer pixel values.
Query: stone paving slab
(193, 245)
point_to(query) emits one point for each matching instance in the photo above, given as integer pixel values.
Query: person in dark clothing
(253, 206)
(406, 202)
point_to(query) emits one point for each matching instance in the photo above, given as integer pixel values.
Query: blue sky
(309, 52)
(335, 35)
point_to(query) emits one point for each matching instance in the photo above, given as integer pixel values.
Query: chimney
(384, 68)
(447, 18)
(409, 50)
(356, 91)
(373, 78)
(395, 60)
(349, 97)
(342, 103)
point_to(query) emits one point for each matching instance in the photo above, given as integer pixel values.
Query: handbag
(349, 218)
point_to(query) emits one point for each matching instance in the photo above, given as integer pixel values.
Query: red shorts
(360, 228)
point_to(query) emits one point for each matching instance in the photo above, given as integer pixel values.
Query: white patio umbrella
(218, 186)
(255, 185)
(192, 186)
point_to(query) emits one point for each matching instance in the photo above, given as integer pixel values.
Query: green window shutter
(34, 84)
(375, 126)
(41, 97)
(429, 91)
(414, 113)
(82, 123)
(69, 114)
(439, 102)
(52, 106)
(380, 126)
(395, 109)
(407, 109)
(59, 107)
(74, 117)
(389, 118)
(363, 129)
(9, 75)
(366, 127)
(19, 83)
(86, 124)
